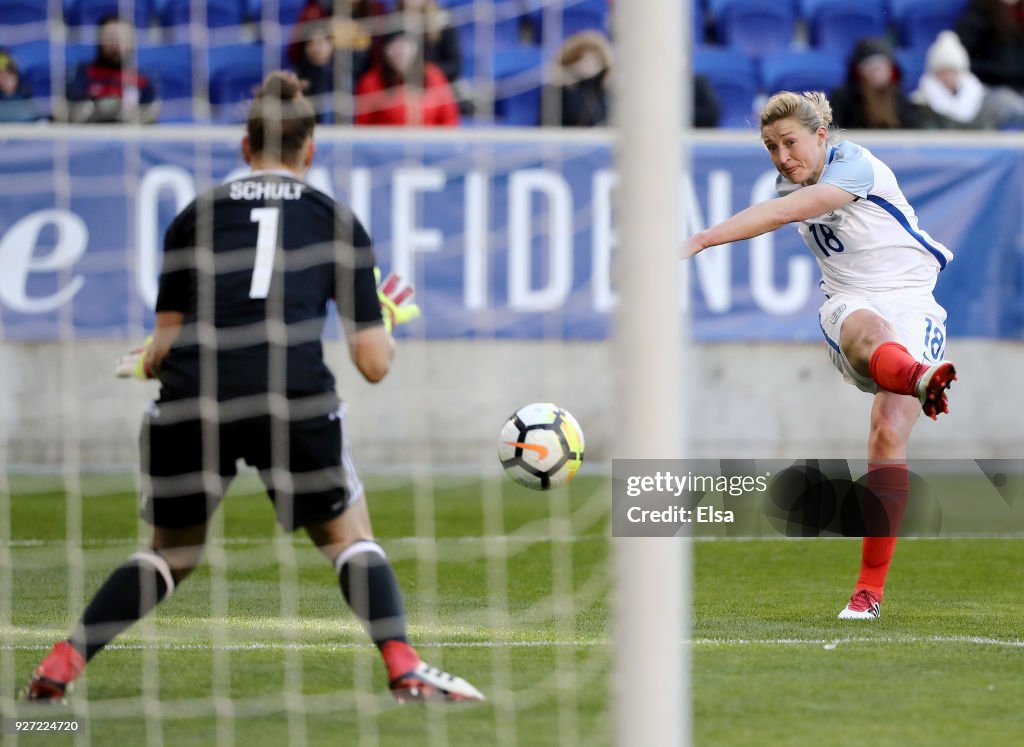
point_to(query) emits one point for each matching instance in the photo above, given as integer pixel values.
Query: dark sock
(371, 590)
(128, 594)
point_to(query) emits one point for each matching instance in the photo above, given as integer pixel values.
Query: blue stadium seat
(33, 60)
(477, 45)
(517, 85)
(584, 14)
(219, 13)
(234, 71)
(287, 11)
(734, 77)
(911, 62)
(467, 46)
(507, 15)
(804, 70)
(918, 22)
(170, 65)
(34, 63)
(755, 26)
(837, 25)
(697, 22)
(576, 16)
(91, 12)
(17, 12)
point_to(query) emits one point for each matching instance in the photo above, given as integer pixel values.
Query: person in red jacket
(400, 88)
(110, 88)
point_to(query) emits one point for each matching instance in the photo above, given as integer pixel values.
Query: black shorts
(306, 466)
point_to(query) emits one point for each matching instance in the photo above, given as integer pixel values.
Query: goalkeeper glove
(396, 300)
(134, 365)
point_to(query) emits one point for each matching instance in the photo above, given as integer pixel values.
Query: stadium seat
(734, 77)
(837, 25)
(576, 16)
(33, 60)
(697, 22)
(234, 71)
(517, 85)
(476, 44)
(911, 62)
(583, 15)
(34, 63)
(755, 26)
(467, 47)
(91, 12)
(219, 13)
(17, 12)
(918, 22)
(804, 70)
(170, 65)
(286, 12)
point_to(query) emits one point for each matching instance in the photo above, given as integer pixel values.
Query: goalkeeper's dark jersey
(260, 257)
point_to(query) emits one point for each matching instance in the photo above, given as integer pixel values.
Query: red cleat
(864, 605)
(413, 680)
(931, 389)
(430, 683)
(49, 683)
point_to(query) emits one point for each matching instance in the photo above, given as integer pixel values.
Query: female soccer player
(885, 332)
(249, 270)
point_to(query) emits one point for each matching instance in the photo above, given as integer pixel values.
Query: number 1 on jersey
(266, 242)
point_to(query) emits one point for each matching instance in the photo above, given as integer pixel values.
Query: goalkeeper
(249, 269)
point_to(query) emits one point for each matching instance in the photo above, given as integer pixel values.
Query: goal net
(509, 238)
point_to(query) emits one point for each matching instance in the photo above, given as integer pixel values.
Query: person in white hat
(950, 96)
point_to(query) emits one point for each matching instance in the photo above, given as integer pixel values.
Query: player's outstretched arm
(763, 217)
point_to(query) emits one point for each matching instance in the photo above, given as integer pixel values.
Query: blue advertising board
(504, 238)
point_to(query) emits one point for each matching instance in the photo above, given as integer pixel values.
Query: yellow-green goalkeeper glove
(396, 300)
(134, 365)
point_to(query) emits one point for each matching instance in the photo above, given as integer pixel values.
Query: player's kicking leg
(369, 586)
(128, 594)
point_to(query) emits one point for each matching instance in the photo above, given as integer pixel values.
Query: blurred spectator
(15, 97)
(352, 35)
(332, 50)
(872, 97)
(440, 41)
(110, 88)
(993, 33)
(401, 88)
(579, 95)
(316, 67)
(949, 95)
(439, 38)
(581, 76)
(706, 109)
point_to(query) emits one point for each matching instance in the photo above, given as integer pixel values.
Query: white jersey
(873, 245)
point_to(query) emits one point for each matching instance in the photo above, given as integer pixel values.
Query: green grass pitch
(524, 617)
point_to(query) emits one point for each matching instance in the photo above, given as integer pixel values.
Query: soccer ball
(541, 446)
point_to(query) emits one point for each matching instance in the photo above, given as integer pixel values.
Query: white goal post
(650, 688)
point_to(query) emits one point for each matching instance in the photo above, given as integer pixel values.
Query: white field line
(257, 541)
(475, 540)
(828, 644)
